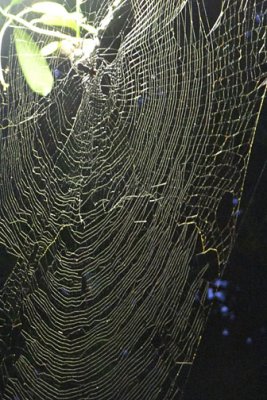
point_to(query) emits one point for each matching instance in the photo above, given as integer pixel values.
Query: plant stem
(34, 28)
(78, 10)
(18, 18)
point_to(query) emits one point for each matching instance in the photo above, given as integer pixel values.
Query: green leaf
(49, 8)
(55, 14)
(67, 20)
(34, 66)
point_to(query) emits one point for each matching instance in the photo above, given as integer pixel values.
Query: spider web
(120, 196)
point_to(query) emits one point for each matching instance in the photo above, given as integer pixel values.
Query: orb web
(120, 196)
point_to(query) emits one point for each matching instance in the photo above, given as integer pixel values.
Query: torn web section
(124, 211)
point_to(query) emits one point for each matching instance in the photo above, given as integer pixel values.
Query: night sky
(231, 362)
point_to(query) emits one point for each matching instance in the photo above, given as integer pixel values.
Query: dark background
(231, 363)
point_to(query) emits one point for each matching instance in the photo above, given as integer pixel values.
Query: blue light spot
(235, 201)
(258, 18)
(221, 283)
(57, 73)
(220, 295)
(210, 294)
(224, 310)
(232, 316)
(249, 340)
(225, 332)
(124, 353)
(140, 102)
(248, 35)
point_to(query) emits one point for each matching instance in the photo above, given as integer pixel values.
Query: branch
(18, 18)
(34, 28)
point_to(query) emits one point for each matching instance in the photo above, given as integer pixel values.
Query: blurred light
(220, 295)
(224, 310)
(140, 101)
(258, 18)
(124, 353)
(249, 340)
(225, 332)
(210, 294)
(232, 316)
(57, 73)
(235, 201)
(238, 213)
(221, 283)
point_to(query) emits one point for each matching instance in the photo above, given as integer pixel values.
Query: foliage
(31, 57)
(34, 66)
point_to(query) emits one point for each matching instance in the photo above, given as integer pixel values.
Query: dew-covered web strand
(118, 197)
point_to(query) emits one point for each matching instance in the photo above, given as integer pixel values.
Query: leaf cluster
(48, 15)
